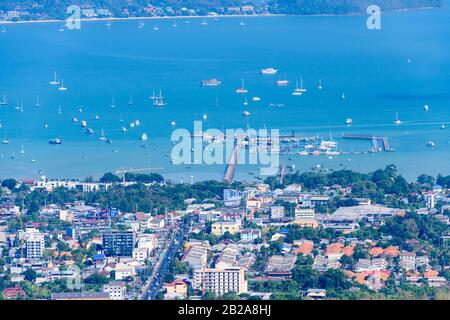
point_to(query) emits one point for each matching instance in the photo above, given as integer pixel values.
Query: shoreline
(211, 16)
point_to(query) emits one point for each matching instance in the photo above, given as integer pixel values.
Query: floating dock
(375, 141)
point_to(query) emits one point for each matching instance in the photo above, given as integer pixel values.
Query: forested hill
(308, 7)
(56, 9)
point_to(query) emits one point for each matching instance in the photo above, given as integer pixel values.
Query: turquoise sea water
(97, 64)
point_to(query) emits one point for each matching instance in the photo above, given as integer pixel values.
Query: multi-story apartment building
(116, 290)
(118, 244)
(219, 228)
(305, 217)
(35, 245)
(220, 281)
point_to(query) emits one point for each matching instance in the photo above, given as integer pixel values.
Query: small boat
(242, 89)
(102, 136)
(55, 80)
(37, 104)
(269, 71)
(132, 124)
(155, 28)
(123, 129)
(297, 91)
(343, 96)
(173, 123)
(74, 119)
(204, 22)
(245, 103)
(108, 24)
(282, 82)
(217, 104)
(246, 114)
(4, 102)
(242, 23)
(276, 104)
(256, 99)
(5, 140)
(349, 121)
(61, 29)
(409, 60)
(137, 123)
(397, 120)
(426, 107)
(22, 151)
(153, 97)
(32, 161)
(59, 110)
(320, 87)
(89, 131)
(159, 101)
(205, 116)
(113, 103)
(97, 117)
(55, 141)
(62, 88)
(141, 24)
(211, 82)
(83, 124)
(144, 137)
(443, 126)
(130, 101)
(430, 144)
(174, 24)
(3, 29)
(46, 125)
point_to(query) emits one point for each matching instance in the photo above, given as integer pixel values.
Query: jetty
(374, 139)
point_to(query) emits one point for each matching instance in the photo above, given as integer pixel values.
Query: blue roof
(99, 257)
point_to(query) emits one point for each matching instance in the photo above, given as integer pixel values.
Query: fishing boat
(211, 82)
(55, 141)
(269, 71)
(242, 89)
(397, 120)
(102, 136)
(37, 104)
(55, 80)
(62, 88)
(4, 102)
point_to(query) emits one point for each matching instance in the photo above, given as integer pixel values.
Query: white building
(220, 281)
(116, 290)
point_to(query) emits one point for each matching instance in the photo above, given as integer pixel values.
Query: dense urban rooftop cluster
(312, 235)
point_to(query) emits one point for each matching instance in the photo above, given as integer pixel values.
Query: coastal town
(311, 235)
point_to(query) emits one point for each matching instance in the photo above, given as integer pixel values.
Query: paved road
(156, 279)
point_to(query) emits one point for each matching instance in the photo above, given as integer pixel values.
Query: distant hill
(308, 7)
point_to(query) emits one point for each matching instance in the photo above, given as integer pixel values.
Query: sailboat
(156, 28)
(141, 24)
(62, 88)
(175, 24)
(22, 151)
(242, 23)
(242, 89)
(113, 103)
(297, 91)
(21, 106)
(38, 104)
(4, 102)
(217, 104)
(55, 80)
(5, 139)
(397, 120)
(159, 101)
(59, 110)
(108, 24)
(204, 22)
(61, 29)
(102, 137)
(245, 102)
(3, 29)
(282, 82)
(320, 87)
(130, 102)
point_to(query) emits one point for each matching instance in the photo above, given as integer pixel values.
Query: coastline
(211, 16)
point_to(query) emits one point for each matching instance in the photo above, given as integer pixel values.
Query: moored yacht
(269, 71)
(62, 88)
(211, 82)
(55, 80)
(242, 89)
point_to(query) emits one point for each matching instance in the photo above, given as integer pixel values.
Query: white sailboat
(175, 24)
(59, 110)
(397, 120)
(130, 102)
(141, 24)
(4, 102)
(245, 102)
(242, 89)
(320, 87)
(55, 80)
(22, 151)
(102, 137)
(159, 101)
(297, 91)
(242, 23)
(5, 139)
(37, 104)
(204, 22)
(62, 88)
(113, 103)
